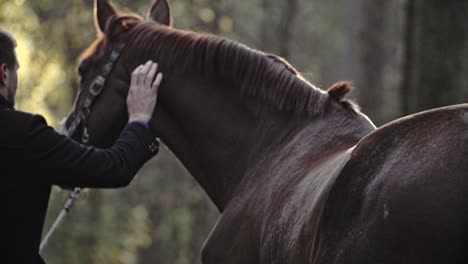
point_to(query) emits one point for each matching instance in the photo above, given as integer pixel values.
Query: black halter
(94, 90)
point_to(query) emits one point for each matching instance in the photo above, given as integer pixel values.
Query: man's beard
(11, 99)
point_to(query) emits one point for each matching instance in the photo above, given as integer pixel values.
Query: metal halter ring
(97, 85)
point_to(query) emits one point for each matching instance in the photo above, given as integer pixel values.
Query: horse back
(403, 195)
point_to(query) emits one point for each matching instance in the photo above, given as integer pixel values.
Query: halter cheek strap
(94, 90)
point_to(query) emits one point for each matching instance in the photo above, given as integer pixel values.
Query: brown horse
(299, 175)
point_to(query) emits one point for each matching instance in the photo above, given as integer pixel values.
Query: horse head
(107, 55)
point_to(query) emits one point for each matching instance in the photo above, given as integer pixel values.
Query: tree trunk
(288, 18)
(265, 27)
(436, 54)
(371, 55)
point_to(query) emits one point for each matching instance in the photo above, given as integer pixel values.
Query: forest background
(403, 56)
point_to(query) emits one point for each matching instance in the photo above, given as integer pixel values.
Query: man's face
(10, 81)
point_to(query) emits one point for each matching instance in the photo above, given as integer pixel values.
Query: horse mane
(257, 74)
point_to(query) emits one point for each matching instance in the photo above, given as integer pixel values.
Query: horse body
(298, 174)
(401, 198)
(398, 196)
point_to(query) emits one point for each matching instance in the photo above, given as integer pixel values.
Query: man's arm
(65, 162)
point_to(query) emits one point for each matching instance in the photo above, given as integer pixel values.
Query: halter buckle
(97, 85)
(85, 136)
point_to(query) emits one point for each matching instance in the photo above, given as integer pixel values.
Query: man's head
(8, 67)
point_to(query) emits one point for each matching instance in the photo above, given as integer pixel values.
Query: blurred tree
(317, 41)
(372, 55)
(436, 54)
(287, 21)
(265, 32)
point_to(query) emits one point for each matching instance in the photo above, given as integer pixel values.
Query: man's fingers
(135, 74)
(157, 81)
(143, 72)
(146, 68)
(143, 76)
(150, 76)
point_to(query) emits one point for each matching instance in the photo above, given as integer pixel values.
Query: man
(33, 156)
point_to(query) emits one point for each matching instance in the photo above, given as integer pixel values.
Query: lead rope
(66, 208)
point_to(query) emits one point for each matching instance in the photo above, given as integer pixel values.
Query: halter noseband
(94, 90)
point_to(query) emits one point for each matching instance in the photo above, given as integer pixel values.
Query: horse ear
(103, 10)
(339, 90)
(161, 12)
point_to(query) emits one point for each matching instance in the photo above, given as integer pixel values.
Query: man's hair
(7, 49)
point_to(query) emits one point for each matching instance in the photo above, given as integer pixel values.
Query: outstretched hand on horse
(143, 92)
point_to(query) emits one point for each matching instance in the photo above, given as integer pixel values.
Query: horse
(298, 174)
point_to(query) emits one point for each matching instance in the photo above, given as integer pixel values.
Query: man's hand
(143, 92)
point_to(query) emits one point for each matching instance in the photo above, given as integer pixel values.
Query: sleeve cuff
(146, 135)
(143, 123)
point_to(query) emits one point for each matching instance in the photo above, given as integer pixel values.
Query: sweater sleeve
(66, 162)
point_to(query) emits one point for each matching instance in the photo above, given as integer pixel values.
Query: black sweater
(33, 157)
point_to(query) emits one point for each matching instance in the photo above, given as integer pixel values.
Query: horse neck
(215, 132)
(293, 150)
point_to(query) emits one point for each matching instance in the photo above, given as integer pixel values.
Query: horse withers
(298, 174)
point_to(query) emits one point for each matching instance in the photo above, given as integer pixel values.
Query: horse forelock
(257, 74)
